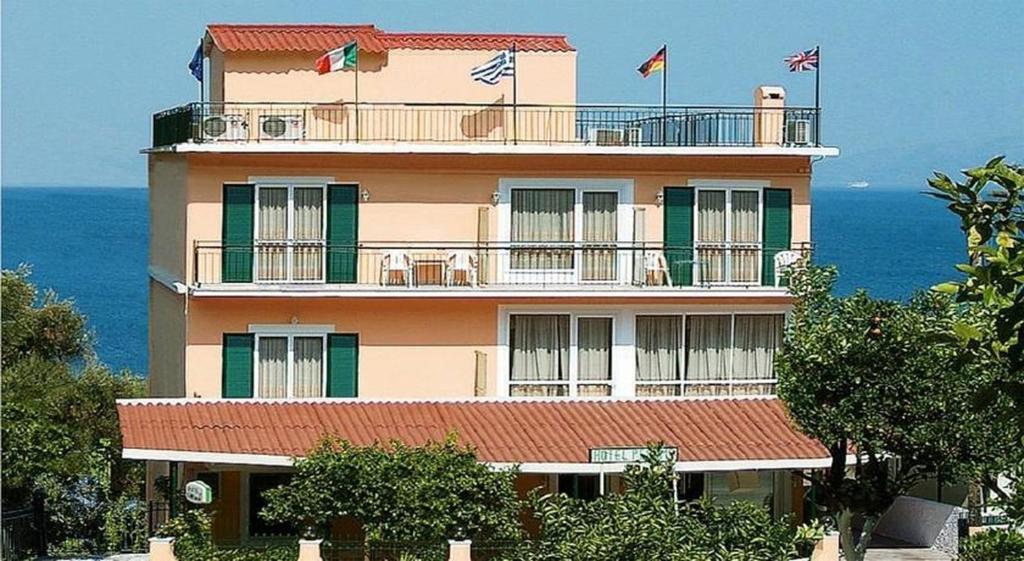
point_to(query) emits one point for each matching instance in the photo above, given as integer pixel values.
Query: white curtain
(594, 355)
(600, 228)
(711, 235)
(757, 339)
(745, 235)
(308, 226)
(708, 346)
(308, 367)
(273, 367)
(659, 343)
(540, 353)
(272, 257)
(543, 216)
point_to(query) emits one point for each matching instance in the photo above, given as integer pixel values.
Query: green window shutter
(237, 233)
(342, 365)
(342, 233)
(678, 233)
(236, 380)
(777, 230)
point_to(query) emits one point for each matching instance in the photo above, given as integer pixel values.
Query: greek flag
(495, 69)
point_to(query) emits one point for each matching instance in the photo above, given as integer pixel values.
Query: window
(659, 358)
(290, 366)
(586, 487)
(289, 233)
(560, 355)
(732, 354)
(690, 487)
(728, 237)
(543, 228)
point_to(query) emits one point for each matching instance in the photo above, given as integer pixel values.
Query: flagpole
(664, 94)
(817, 97)
(515, 96)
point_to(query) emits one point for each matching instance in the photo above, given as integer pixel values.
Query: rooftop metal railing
(493, 266)
(462, 123)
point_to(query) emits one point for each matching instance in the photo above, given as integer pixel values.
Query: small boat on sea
(858, 184)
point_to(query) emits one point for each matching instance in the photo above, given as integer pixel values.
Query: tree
(881, 381)
(59, 422)
(429, 493)
(990, 205)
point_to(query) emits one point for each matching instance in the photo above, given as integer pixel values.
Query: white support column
(460, 550)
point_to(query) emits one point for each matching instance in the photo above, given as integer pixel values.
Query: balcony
(618, 126)
(481, 269)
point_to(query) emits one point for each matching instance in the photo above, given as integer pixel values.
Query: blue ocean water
(90, 244)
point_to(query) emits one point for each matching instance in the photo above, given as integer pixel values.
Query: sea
(90, 244)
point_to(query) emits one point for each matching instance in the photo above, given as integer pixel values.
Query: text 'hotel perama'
(558, 283)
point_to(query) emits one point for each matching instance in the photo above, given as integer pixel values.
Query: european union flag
(196, 65)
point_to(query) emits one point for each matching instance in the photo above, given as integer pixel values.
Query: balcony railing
(434, 123)
(493, 266)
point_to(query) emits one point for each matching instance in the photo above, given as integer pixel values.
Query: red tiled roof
(541, 431)
(324, 37)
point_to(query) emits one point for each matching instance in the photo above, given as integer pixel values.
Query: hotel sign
(627, 455)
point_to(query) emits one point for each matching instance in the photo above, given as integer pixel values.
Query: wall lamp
(495, 197)
(659, 199)
(365, 195)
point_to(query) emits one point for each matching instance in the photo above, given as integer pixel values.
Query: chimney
(769, 102)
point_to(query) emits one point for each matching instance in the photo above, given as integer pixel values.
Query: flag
(195, 66)
(338, 59)
(653, 64)
(804, 60)
(504, 64)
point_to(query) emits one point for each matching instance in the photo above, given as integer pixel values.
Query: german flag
(653, 64)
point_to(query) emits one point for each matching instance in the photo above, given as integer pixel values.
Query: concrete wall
(166, 376)
(168, 247)
(921, 522)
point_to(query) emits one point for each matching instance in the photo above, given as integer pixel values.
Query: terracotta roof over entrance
(502, 430)
(324, 37)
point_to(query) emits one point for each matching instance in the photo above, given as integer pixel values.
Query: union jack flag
(804, 60)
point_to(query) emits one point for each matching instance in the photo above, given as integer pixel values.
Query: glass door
(600, 227)
(290, 234)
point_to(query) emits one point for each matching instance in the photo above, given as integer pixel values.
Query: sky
(907, 86)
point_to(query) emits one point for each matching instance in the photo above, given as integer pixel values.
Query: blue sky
(908, 86)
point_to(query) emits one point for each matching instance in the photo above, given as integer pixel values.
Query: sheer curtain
(308, 227)
(273, 367)
(542, 216)
(600, 227)
(758, 337)
(745, 235)
(659, 344)
(308, 367)
(711, 235)
(708, 347)
(540, 353)
(594, 343)
(272, 254)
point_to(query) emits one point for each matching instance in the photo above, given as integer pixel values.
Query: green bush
(993, 545)
(193, 541)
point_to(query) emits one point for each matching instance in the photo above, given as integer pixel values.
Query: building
(559, 283)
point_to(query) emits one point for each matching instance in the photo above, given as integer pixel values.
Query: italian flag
(338, 59)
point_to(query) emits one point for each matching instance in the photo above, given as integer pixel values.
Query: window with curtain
(290, 366)
(659, 355)
(543, 227)
(308, 236)
(600, 227)
(744, 235)
(272, 234)
(594, 356)
(539, 346)
(732, 354)
(290, 233)
(728, 235)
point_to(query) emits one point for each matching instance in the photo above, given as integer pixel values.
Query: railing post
(460, 550)
(161, 549)
(309, 550)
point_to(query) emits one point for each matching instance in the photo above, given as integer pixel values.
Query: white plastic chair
(654, 263)
(785, 261)
(396, 260)
(463, 261)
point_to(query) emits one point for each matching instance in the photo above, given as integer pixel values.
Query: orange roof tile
(541, 431)
(324, 37)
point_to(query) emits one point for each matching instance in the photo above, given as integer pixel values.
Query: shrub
(993, 545)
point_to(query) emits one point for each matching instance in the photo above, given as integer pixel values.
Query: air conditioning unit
(616, 137)
(798, 132)
(281, 127)
(224, 127)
